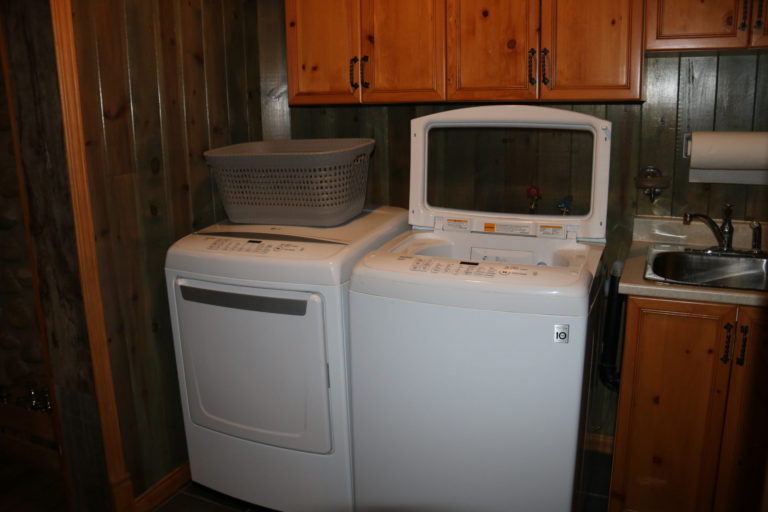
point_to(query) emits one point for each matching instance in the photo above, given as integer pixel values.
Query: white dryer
(259, 315)
(470, 334)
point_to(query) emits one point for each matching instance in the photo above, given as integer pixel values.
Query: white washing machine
(260, 326)
(470, 334)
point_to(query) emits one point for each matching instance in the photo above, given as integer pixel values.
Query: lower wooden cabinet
(693, 421)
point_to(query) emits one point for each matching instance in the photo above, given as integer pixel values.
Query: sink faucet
(724, 233)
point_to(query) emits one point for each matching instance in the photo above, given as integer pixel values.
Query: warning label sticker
(456, 225)
(551, 231)
(508, 229)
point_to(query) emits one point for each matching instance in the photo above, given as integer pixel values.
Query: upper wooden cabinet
(493, 49)
(322, 39)
(404, 41)
(588, 50)
(758, 35)
(715, 24)
(591, 50)
(351, 51)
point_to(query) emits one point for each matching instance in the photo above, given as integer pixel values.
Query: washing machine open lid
(530, 150)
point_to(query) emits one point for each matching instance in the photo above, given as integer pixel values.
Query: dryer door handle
(231, 300)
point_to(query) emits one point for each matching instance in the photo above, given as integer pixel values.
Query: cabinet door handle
(744, 14)
(362, 72)
(531, 54)
(352, 84)
(727, 350)
(759, 17)
(743, 352)
(544, 79)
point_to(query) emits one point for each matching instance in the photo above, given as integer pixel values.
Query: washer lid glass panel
(510, 170)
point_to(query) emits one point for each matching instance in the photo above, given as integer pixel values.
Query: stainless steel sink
(698, 267)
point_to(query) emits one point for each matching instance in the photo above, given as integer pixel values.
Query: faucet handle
(757, 236)
(727, 211)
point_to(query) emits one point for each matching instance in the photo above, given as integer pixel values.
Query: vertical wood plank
(174, 120)
(736, 76)
(215, 65)
(194, 87)
(216, 77)
(622, 194)
(236, 74)
(253, 73)
(757, 197)
(118, 188)
(376, 123)
(153, 379)
(276, 121)
(659, 124)
(696, 106)
(399, 149)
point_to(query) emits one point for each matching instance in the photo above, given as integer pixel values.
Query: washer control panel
(468, 268)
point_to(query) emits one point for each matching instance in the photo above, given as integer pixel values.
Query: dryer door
(254, 363)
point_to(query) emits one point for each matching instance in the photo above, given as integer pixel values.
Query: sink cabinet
(692, 420)
(699, 25)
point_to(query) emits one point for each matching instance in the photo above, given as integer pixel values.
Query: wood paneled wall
(683, 92)
(160, 83)
(688, 92)
(31, 77)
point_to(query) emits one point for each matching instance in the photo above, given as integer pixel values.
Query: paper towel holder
(715, 166)
(651, 182)
(687, 145)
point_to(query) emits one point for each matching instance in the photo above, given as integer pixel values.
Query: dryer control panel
(266, 245)
(251, 246)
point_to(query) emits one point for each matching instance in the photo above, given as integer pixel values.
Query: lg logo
(561, 333)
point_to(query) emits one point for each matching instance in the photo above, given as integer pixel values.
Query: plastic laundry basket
(312, 182)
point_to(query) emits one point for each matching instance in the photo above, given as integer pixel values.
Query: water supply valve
(651, 182)
(534, 196)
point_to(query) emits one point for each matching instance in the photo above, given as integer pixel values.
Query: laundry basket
(311, 182)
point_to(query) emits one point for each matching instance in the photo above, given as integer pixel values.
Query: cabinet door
(403, 50)
(492, 49)
(694, 24)
(674, 383)
(744, 454)
(759, 25)
(322, 39)
(591, 50)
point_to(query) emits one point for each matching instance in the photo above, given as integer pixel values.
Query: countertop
(659, 230)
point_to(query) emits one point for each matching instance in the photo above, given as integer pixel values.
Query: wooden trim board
(121, 487)
(163, 489)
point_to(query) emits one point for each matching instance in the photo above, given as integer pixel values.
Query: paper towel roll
(729, 150)
(729, 157)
